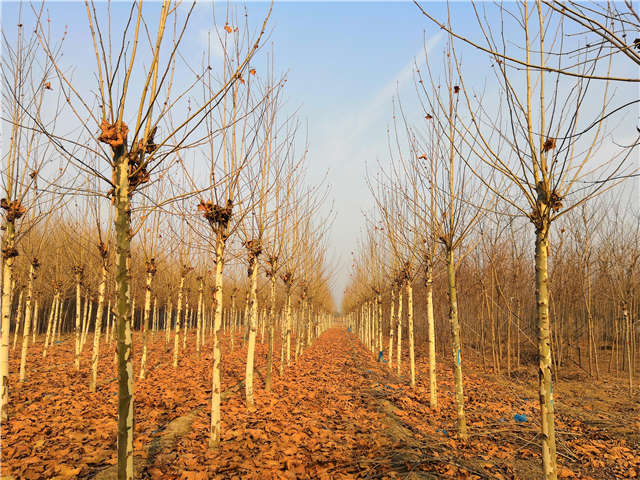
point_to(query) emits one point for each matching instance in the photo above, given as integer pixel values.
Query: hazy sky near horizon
(345, 62)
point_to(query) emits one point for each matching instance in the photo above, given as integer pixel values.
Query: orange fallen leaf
(564, 472)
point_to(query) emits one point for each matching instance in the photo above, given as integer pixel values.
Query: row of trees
(128, 190)
(476, 180)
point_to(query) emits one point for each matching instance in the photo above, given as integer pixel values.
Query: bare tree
(26, 87)
(544, 153)
(133, 151)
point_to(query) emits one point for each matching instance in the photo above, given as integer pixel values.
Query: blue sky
(345, 62)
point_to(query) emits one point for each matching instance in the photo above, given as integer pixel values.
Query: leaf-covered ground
(336, 413)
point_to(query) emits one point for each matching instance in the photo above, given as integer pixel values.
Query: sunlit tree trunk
(245, 317)
(97, 330)
(283, 339)
(109, 323)
(392, 320)
(366, 326)
(627, 341)
(544, 351)
(150, 270)
(287, 315)
(232, 318)
(379, 312)
(307, 316)
(214, 439)
(123, 314)
(85, 320)
(176, 337)
(50, 335)
(8, 258)
(433, 382)
(167, 323)
(254, 251)
(270, 329)
(399, 317)
(509, 316)
(36, 321)
(18, 318)
(78, 281)
(456, 344)
(261, 322)
(60, 314)
(154, 320)
(89, 315)
(299, 329)
(518, 333)
(187, 321)
(199, 330)
(412, 361)
(27, 318)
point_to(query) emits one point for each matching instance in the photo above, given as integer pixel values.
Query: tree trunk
(307, 319)
(89, 315)
(49, 336)
(145, 319)
(549, 466)
(154, 318)
(187, 320)
(392, 320)
(18, 318)
(214, 439)
(288, 323)
(85, 320)
(509, 320)
(270, 318)
(627, 342)
(253, 328)
(35, 322)
(232, 320)
(457, 348)
(433, 383)
(167, 324)
(245, 317)
(199, 330)
(123, 316)
(412, 361)
(176, 337)
(518, 335)
(60, 315)
(379, 312)
(8, 259)
(399, 346)
(27, 319)
(78, 282)
(97, 330)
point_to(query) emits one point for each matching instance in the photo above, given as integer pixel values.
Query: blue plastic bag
(520, 417)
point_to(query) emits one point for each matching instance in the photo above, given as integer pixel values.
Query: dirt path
(332, 416)
(338, 413)
(318, 422)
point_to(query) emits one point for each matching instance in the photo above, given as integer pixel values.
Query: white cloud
(350, 143)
